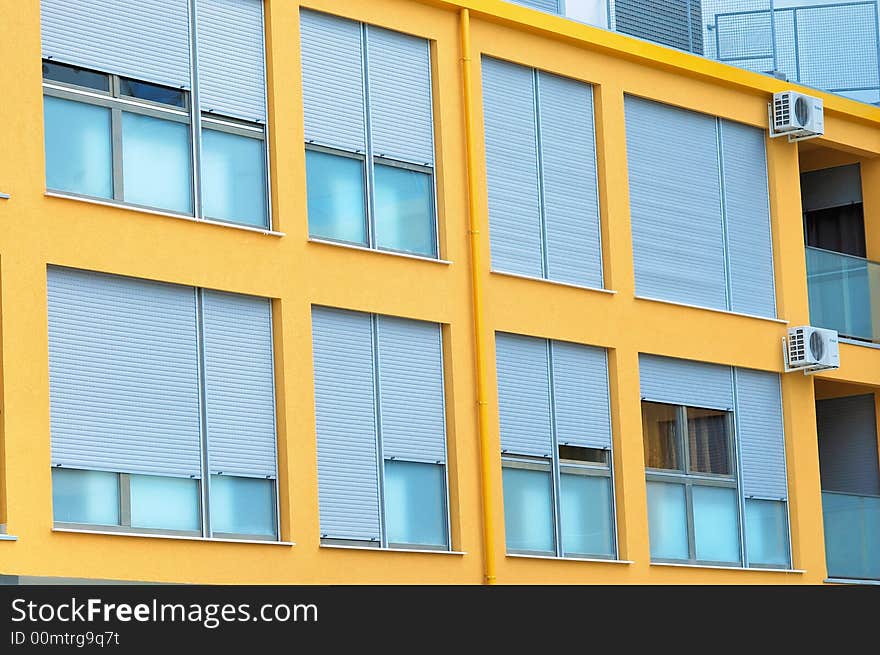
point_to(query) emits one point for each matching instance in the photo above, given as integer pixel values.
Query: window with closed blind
(381, 427)
(369, 135)
(555, 447)
(715, 462)
(162, 407)
(158, 104)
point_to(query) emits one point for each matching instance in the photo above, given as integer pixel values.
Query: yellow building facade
(458, 291)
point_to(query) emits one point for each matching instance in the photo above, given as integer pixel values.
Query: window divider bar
(539, 151)
(267, 162)
(719, 139)
(116, 151)
(125, 500)
(205, 487)
(380, 454)
(733, 420)
(370, 205)
(554, 456)
(195, 110)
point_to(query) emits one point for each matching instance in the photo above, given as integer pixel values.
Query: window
(369, 154)
(124, 121)
(715, 464)
(833, 210)
(162, 408)
(541, 175)
(380, 420)
(555, 448)
(700, 209)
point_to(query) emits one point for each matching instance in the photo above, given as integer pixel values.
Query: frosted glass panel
(528, 511)
(85, 496)
(766, 532)
(587, 525)
(234, 178)
(404, 210)
(335, 187)
(156, 165)
(415, 503)
(243, 506)
(164, 503)
(667, 521)
(716, 526)
(78, 151)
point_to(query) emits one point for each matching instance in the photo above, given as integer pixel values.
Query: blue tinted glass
(404, 210)
(766, 532)
(528, 511)
(156, 166)
(667, 521)
(587, 525)
(78, 150)
(243, 506)
(415, 503)
(152, 92)
(233, 178)
(85, 496)
(164, 503)
(716, 524)
(335, 188)
(852, 535)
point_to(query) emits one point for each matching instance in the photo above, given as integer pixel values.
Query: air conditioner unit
(797, 115)
(810, 349)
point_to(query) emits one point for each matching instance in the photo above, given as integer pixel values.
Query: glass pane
(716, 525)
(852, 535)
(78, 152)
(164, 503)
(404, 210)
(766, 533)
(85, 496)
(73, 75)
(708, 441)
(335, 187)
(242, 505)
(156, 163)
(667, 521)
(587, 525)
(842, 291)
(580, 454)
(152, 92)
(415, 503)
(528, 510)
(234, 178)
(661, 443)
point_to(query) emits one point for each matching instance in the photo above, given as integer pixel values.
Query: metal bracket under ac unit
(808, 370)
(791, 137)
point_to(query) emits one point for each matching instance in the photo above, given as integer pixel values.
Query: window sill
(159, 212)
(4, 196)
(8, 537)
(863, 344)
(395, 550)
(852, 581)
(712, 309)
(725, 568)
(145, 535)
(392, 253)
(597, 560)
(553, 282)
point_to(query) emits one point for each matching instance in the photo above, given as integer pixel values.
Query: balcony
(844, 293)
(852, 535)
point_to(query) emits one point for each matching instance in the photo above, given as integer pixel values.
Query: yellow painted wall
(36, 230)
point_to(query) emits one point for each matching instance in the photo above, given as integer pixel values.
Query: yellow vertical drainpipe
(479, 318)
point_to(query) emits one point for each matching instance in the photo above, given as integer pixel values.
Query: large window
(369, 135)
(126, 122)
(162, 408)
(381, 429)
(715, 464)
(555, 448)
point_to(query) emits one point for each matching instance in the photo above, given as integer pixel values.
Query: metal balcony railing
(852, 535)
(844, 293)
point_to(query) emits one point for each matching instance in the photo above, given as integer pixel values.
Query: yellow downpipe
(479, 318)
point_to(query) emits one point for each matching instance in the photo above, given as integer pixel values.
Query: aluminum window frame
(689, 479)
(370, 158)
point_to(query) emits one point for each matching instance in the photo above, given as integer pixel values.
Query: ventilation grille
(782, 112)
(797, 347)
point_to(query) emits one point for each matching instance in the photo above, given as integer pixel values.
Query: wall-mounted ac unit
(797, 115)
(810, 349)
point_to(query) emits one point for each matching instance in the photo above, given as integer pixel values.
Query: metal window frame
(370, 158)
(688, 478)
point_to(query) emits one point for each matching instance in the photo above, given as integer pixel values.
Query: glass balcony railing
(844, 294)
(852, 535)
